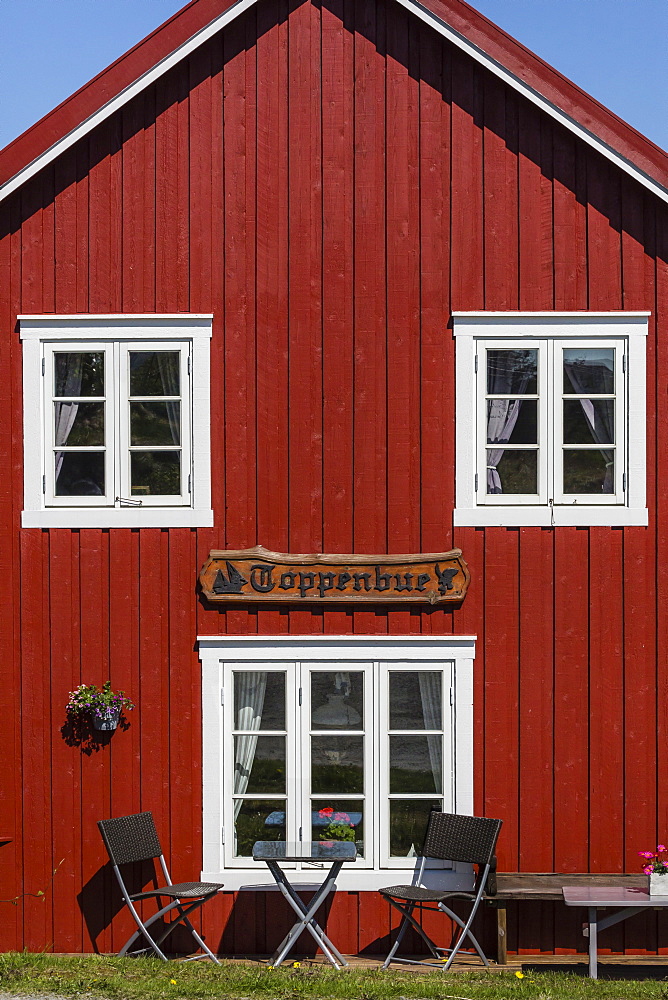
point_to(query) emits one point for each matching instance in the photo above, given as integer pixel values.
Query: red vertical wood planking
(466, 214)
(305, 275)
(571, 703)
(185, 756)
(96, 777)
(138, 192)
(239, 303)
(403, 404)
(500, 197)
(337, 288)
(240, 355)
(535, 193)
(639, 562)
(38, 845)
(571, 654)
(125, 791)
(606, 743)
(470, 620)
(536, 589)
(37, 839)
(272, 291)
(370, 346)
(403, 289)
(436, 345)
(501, 778)
(536, 729)
(536, 676)
(10, 672)
(658, 500)
(570, 223)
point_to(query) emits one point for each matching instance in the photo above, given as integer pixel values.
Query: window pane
(78, 374)
(517, 471)
(512, 372)
(155, 373)
(259, 699)
(79, 473)
(156, 473)
(257, 820)
(155, 423)
(588, 470)
(512, 420)
(337, 699)
(337, 764)
(589, 421)
(259, 764)
(415, 699)
(416, 764)
(339, 819)
(79, 424)
(408, 825)
(589, 370)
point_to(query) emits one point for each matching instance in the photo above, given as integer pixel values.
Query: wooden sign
(259, 575)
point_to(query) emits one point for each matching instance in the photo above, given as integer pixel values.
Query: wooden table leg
(501, 935)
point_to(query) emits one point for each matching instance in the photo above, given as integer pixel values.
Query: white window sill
(570, 515)
(118, 517)
(360, 880)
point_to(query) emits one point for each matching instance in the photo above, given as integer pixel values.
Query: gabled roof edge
(124, 96)
(536, 98)
(417, 8)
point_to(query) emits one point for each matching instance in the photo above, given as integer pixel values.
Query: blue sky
(614, 49)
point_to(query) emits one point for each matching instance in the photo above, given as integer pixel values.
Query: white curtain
(430, 695)
(600, 418)
(502, 416)
(503, 378)
(250, 687)
(66, 413)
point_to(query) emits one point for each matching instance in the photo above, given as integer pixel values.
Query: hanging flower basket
(102, 706)
(107, 719)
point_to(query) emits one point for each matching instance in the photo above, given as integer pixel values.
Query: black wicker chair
(449, 837)
(132, 839)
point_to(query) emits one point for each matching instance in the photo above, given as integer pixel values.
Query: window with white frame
(334, 740)
(116, 421)
(550, 418)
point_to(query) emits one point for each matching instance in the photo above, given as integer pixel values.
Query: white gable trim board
(420, 11)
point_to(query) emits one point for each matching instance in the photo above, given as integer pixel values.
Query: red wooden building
(331, 276)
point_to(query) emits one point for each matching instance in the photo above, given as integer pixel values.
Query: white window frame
(476, 331)
(220, 655)
(41, 336)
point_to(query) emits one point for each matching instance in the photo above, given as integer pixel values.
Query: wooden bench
(512, 886)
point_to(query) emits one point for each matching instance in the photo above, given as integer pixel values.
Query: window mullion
(554, 423)
(118, 389)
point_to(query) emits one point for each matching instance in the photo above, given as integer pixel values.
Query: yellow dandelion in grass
(296, 965)
(173, 982)
(520, 975)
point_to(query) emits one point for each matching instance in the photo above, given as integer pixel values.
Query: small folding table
(627, 902)
(330, 855)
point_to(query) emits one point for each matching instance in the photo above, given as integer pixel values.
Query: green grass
(149, 979)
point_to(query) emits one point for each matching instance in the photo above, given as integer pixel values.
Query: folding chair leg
(466, 933)
(200, 941)
(155, 943)
(402, 930)
(143, 932)
(453, 916)
(408, 918)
